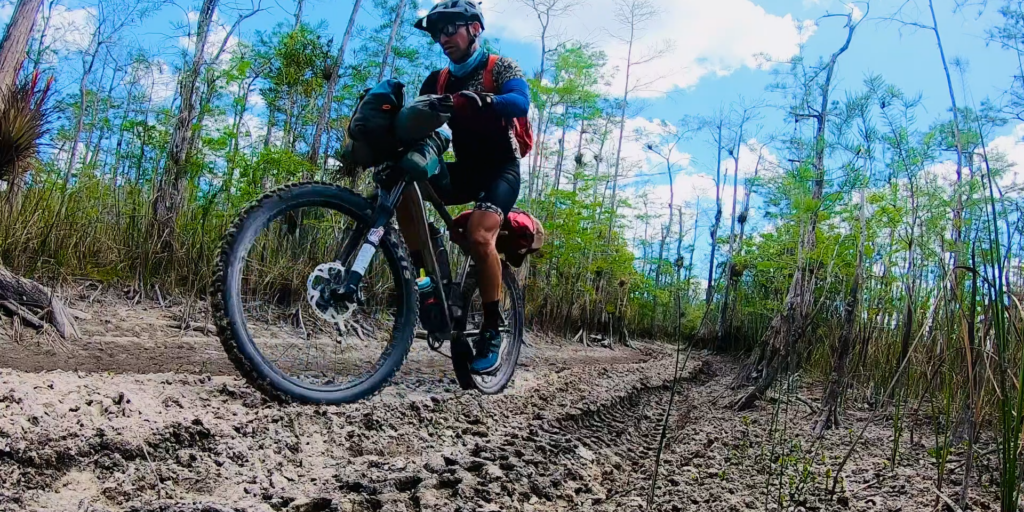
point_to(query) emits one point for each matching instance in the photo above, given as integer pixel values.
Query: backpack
(521, 235)
(520, 126)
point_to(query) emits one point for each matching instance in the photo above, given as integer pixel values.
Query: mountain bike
(316, 300)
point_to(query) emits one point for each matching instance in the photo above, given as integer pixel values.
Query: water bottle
(424, 284)
(431, 313)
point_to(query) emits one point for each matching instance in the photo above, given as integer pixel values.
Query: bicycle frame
(413, 193)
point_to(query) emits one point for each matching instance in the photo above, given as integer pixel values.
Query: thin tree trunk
(210, 79)
(622, 129)
(733, 274)
(829, 416)
(561, 152)
(704, 333)
(580, 166)
(693, 247)
(541, 121)
(79, 123)
(299, 4)
(171, 188)
(391, 39)
(788, 325)
(718, 221)
(236, 126)
(332, 84)
(730, 268)
(120, 136)
(41, 43)
(270, 128)
(98, 147)
(959, 207)
(93, 111)
(14, 45)
(143, 143)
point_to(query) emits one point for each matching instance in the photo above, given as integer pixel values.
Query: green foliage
(645, 277)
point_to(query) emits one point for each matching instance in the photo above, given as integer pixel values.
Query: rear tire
(512, 340)
(227, 296)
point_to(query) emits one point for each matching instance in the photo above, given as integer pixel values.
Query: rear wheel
(511, 303)
(278, 320)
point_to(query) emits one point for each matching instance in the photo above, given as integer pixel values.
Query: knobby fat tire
(231, 331)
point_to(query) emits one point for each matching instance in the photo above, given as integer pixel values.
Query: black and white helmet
(449, 11)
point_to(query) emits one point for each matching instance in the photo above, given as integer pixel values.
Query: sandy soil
(141, 415)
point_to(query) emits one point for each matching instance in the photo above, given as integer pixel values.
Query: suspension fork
(382, 214)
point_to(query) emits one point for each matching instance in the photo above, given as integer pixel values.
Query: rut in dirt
(564, 435)
(591, 458)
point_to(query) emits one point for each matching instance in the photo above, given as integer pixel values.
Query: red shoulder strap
(489, 75)
(442, 80)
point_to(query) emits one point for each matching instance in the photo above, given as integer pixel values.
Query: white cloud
(855, 11)
(706, 37)
(1012, 147)
(1007, 148)
(638, 131)
(158, 79)
(70, 30)
(218, 32)
(749, 153)
(689, 186)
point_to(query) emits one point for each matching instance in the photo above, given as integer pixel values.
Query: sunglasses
(447, 31)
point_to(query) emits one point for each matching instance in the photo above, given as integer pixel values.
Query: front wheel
(511, 304)
(278, 317)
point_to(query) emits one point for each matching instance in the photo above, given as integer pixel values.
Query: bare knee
(483, 230)
(481, 241)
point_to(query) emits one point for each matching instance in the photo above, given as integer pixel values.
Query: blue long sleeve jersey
(514, 100)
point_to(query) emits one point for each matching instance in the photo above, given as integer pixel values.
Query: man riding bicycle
(486, 148)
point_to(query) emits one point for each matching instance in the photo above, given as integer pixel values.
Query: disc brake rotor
(323, 277)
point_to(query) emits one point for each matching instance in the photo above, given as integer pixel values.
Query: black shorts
(493, 187)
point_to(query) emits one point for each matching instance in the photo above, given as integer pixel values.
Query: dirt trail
(139, 417)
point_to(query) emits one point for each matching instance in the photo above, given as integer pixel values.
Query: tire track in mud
(559, 438)
(597, 455)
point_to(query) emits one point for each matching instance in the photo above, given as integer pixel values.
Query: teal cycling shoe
(488, 352)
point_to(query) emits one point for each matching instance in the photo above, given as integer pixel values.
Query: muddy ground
(142, 415)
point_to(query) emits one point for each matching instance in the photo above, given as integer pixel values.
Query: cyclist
(487, 168)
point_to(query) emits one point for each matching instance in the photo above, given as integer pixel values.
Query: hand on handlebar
(469, 101)
(444, 104)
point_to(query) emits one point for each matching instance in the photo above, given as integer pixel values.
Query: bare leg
(483, 230)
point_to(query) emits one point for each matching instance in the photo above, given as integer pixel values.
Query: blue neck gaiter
(463, 69)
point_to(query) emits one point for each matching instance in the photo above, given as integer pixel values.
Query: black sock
(492, 316)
